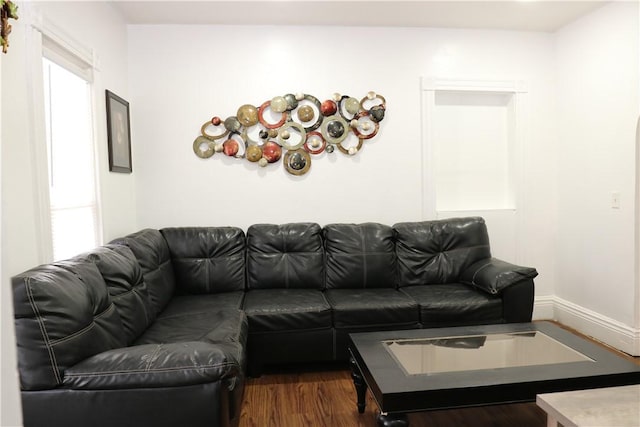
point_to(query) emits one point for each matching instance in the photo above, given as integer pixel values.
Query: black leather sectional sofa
(160, 328)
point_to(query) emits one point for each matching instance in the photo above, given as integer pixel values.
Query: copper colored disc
(328, 108)
(305, 113)
(254, 153)
(248, 115)
(271, 151)
(230, 147)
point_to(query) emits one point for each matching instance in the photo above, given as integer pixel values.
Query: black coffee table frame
(397, 393)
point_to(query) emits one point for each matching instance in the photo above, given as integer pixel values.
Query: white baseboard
(588, 322)
(543, 308)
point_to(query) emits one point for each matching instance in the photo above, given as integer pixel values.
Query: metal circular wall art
(298, 126)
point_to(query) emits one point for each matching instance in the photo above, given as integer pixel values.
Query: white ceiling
(531, 15)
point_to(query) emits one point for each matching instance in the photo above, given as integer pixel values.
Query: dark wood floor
(327, 398)
(324, 397)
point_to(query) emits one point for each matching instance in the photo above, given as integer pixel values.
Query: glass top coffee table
(444, 368)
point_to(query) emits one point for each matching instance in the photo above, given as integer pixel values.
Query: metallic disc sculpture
(299, 124)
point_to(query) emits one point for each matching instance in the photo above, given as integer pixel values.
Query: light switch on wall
(615, 200)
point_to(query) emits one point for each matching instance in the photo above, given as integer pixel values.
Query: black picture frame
(118, 133)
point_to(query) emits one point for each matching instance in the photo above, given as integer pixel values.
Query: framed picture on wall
(118, 133)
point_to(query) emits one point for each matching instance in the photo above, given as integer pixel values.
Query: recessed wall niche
(473, 136)
(472, 144)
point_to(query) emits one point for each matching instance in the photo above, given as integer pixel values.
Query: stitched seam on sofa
(473, 279)
(161, 264)
(197, 258)
(156, 265)
(418, 251)
(155, 268)
(147, 371)
(154, 356)
(338, 255)
(43, 331)
(105, 311)
(375, 325)
(286, 262)
(232, 337)
(85, 329)
(326, 301)
(208, 274)
(152, 245)
(142, 298)
(188, 315)
(208, 263)
(73, 335)
(293, 310)
(147, 312)
(364, 259)
(123, 293)
(258, 252)
(280, 331)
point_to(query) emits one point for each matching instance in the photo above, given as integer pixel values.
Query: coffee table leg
(360, 384)
(392, 420)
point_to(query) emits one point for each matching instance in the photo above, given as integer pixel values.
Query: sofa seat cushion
(194, 304)
(213, 327)
(152, 366)
(226, 328)
(286, 310)
(455, 304)
(371, 307)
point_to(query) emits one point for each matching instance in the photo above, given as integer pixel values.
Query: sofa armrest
(494, 276)
(153, 365)
(517, 302)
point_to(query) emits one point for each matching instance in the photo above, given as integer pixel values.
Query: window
(70, 153)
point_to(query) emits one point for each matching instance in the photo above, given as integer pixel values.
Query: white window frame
(429, 88)
(46, 40)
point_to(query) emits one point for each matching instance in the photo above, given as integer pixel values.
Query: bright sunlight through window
(70, 149)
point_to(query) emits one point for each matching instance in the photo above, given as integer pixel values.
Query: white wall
(598, 104)
(180, 76)
(9, 396)
(94, 25)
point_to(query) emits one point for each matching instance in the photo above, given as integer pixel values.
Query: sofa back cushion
(152, 253)
(436, 252)
(360, 256)
(207, 260)
(285, 256)
(128, 290)
(63, 314)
